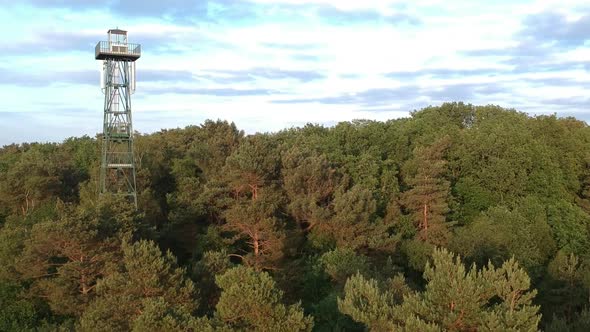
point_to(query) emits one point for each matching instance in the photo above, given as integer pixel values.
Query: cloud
(528, 58)
(218, 92)
(82, 4)
(290, 46)
(89, 77)
(156, 75)
(525, 51)
(442, 73)
(407, 94)
(555, 81)
(172, 8)
(542, 37)
(555, 28)
(403, 110)
(222, 77)
(316, 60)
(350, 75)
(159, 39)
(340, 16)
(305, 57)
(226, 77)
(27, 79)
(45, 42)
(346, 17)
(51, 126)
(569, 103)
(252, 74)
(544, 65)
(175, 10)
(273, 73)
(370, 97)
(461, 92)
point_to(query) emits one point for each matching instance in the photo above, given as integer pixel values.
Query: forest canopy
(456, 218)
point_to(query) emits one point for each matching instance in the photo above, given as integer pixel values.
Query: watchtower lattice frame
(117, 170)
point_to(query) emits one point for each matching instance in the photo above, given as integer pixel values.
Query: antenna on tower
(117, 81)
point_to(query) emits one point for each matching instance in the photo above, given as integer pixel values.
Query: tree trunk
(84, 286)
(256, 244)
(425, 221)
(254, 190)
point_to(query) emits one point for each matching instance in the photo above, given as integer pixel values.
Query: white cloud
(302, 40)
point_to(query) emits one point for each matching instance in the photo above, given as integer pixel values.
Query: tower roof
(118, 31)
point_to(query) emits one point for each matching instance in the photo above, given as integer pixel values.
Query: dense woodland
(457, 218)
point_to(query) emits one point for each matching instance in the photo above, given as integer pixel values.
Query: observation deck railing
(114, 50)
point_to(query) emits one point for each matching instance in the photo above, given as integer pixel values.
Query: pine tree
(354, 223)
(147, 278)
(33, 178)
(251, 301)
(17, 314)
(455, 299)
(255, 164)
(340, 264)
(365, 302)
(255, 223)
(253, 214)
(563, 292)
(158, 315)
(309, 182)
(428, 196)
(64, 258)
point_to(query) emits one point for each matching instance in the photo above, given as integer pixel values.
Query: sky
(268, 65)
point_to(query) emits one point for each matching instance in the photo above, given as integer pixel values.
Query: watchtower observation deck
(117, 47)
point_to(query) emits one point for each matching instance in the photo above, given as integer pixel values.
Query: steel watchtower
(117, 81)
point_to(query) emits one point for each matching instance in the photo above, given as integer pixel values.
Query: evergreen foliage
(250, 301)
(455, 299)
(345, 228)
(147, 290)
